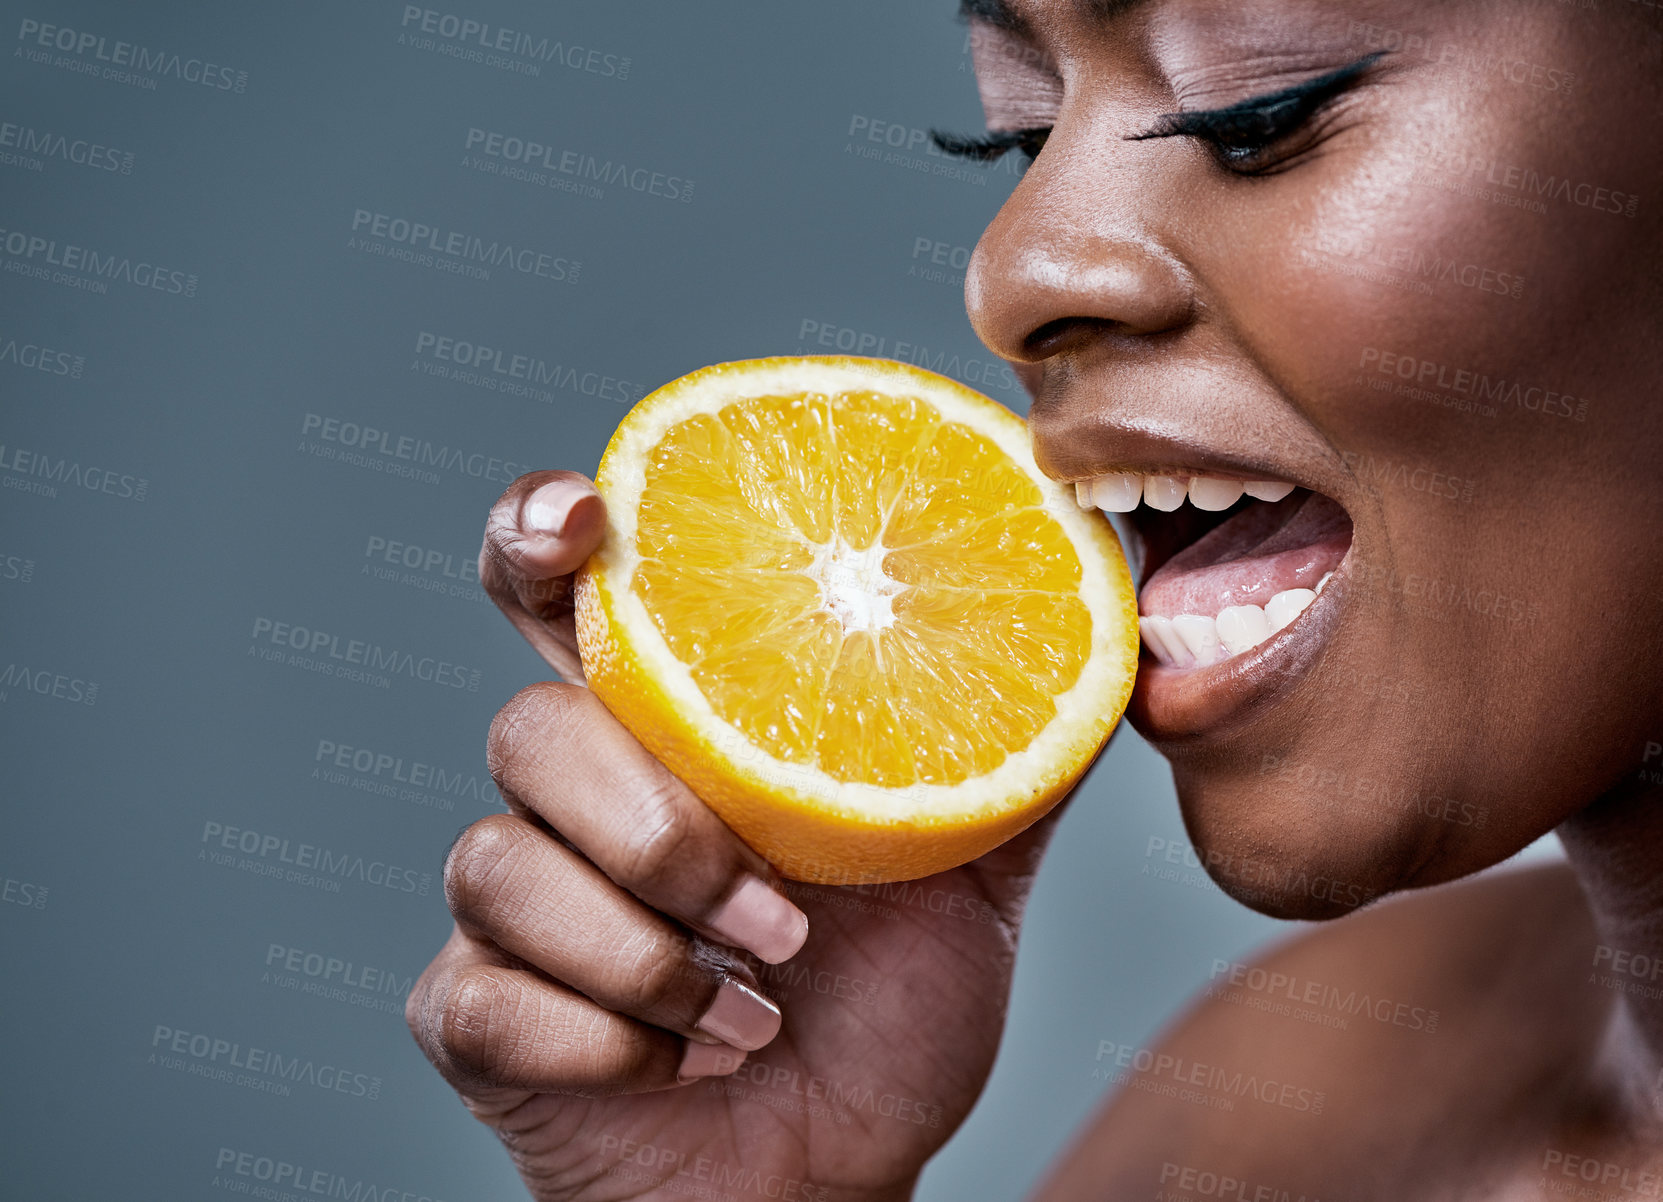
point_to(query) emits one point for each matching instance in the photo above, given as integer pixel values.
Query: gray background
(115, 921)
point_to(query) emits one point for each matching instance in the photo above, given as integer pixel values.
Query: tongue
(1259, 552)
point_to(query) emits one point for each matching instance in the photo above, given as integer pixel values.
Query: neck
(1616, 849)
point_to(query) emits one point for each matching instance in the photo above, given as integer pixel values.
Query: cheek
(1391, 311)
(1443, 345)
(1474, 360)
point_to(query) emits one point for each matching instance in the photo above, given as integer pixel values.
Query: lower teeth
(1195, 640)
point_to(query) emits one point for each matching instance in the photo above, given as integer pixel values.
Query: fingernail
(761, 921)
(741, 1016)
(708, 1060)
(545, 510)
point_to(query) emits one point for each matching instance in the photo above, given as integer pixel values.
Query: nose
(1070, 258)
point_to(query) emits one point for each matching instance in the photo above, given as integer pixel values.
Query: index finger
(538, 533)
(560, 753)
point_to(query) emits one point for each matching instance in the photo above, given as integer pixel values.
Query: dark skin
(1175, 314)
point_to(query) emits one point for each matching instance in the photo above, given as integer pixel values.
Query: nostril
(1065, 333)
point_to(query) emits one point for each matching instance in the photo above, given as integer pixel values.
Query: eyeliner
(1260, 115)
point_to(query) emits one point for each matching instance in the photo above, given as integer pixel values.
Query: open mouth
(1226, 564)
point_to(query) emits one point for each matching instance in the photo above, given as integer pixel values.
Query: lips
(1228, 565)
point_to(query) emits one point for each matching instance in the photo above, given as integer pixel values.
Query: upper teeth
(1120, 492)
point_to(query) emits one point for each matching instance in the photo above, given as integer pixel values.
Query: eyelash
(1237, 135)
(990, 148)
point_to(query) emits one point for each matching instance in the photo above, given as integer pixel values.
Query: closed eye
(989, 148)
(1241, 135)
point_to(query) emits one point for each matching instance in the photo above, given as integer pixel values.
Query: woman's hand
(602, 1002)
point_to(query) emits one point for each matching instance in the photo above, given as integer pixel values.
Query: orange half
(839, 600)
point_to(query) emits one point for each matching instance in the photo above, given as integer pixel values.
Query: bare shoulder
(1358, 1056)
(1506, 933)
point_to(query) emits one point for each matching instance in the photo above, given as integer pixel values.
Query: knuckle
(474, 869)
(499, 563)
(608, 1059)
(416, 1010)
(653, 972)
(529, 724)
(493, 571)
(477, 1014)
(664, 829)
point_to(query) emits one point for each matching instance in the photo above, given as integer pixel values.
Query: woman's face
(1426, 289)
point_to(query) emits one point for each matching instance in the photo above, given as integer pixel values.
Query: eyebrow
(1000, 14)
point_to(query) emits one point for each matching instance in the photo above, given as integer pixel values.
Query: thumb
(538, 533)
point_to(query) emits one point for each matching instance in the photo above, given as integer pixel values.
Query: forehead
(1016, 14)
(1173, 42)
(1014, 44)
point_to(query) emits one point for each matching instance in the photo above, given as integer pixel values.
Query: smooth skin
(1171, 313)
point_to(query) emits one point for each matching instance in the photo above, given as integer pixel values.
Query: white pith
(853, 585)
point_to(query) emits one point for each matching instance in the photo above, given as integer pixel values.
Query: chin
(1301, 854)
